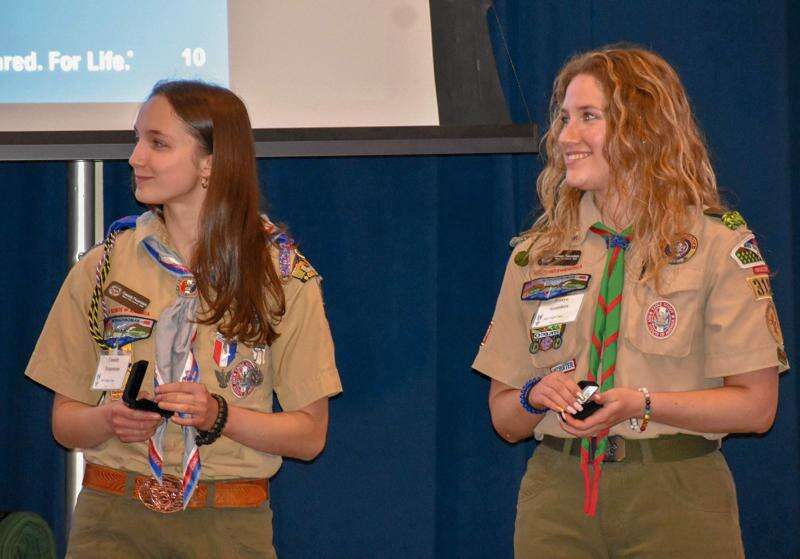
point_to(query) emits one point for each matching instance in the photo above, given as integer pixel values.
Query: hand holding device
(132, 387)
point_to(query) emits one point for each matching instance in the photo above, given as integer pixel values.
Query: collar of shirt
(149, 224)
(588, 215)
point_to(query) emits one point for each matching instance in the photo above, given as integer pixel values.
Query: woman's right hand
(558, 392)
(129, 425)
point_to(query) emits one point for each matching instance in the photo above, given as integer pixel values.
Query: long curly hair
(657, 156)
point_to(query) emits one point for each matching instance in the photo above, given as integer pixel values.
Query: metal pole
(80, 221)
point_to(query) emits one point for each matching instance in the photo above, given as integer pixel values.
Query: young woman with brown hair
(635, 279)
(225, 310)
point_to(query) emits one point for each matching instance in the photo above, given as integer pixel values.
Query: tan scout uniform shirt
(299, 366)
(721, 327)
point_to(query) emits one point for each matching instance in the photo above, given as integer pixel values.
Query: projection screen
(305, 63)
(365, 76)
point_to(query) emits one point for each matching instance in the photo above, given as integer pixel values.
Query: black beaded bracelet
(523, 396)
(208, 437)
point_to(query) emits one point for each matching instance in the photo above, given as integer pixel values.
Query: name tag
(555, 311)
(111, 371)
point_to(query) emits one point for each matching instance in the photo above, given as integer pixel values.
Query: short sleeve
(503, 354)
(303, 354)
(65, 357)
(742, 330)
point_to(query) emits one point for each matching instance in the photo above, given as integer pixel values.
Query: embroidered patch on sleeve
(746, 254)
(762, 289)
(773, 324)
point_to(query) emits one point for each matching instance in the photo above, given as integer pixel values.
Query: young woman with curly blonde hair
(638, 284)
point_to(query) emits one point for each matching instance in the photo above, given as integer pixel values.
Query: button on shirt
(299, 366)
(706, 322)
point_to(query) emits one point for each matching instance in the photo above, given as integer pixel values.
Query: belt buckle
(166, 497)
(616, 449)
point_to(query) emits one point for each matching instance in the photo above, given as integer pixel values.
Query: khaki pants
(647, 510)
(108, 526)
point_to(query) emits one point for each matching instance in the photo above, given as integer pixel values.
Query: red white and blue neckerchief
(175, 361)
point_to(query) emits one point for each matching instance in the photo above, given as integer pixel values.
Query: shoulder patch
(519, 238)
(283, 242)
(731, 219)
(301, 269)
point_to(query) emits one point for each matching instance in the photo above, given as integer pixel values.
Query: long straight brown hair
(235, 274)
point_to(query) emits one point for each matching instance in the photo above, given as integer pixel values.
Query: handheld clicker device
(132, 388)
(588, 389)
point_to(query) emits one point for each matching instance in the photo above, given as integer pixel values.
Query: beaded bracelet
(647, 409)
(525, 392)
(634, 422)
(208, 437)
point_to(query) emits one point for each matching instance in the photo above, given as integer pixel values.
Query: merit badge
(486, 335)
(222, 377)
(123, 329)
(564, 258)
(244, 378)
(746, 253)
(782, 359)
(773, 324)
(224, 350)
(565, 367)
(661, 319)
(683, 250)
(187, 287)
(127, 296)
(302, 270)
(760, 286)
(546, 338)
(543, 289)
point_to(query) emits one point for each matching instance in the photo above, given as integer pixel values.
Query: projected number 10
(194, 57)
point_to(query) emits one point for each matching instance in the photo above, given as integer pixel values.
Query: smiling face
(168, 162)
(583, 133)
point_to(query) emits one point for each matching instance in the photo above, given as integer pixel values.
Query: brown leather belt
(666, 448)
(168, 497)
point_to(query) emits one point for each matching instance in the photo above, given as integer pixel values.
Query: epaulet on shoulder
(521, 238)
(730, 219)
(121, 224)
(88, 250)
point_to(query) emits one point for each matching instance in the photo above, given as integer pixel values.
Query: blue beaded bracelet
(523, 396)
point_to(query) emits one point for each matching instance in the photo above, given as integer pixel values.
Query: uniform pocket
(665, 323)
(539, 475)
(701, 484)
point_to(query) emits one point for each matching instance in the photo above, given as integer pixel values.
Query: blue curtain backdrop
(412, 252)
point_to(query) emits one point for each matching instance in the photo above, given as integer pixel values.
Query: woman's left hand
(619, 404)
(192, 399)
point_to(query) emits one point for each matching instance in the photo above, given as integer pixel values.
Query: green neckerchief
(603, 352)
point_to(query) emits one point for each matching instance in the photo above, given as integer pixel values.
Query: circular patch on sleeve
(683, 250)
(661, 318)
(773, 324)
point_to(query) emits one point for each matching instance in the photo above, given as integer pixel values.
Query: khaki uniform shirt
(299, 366)
(713, 318)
